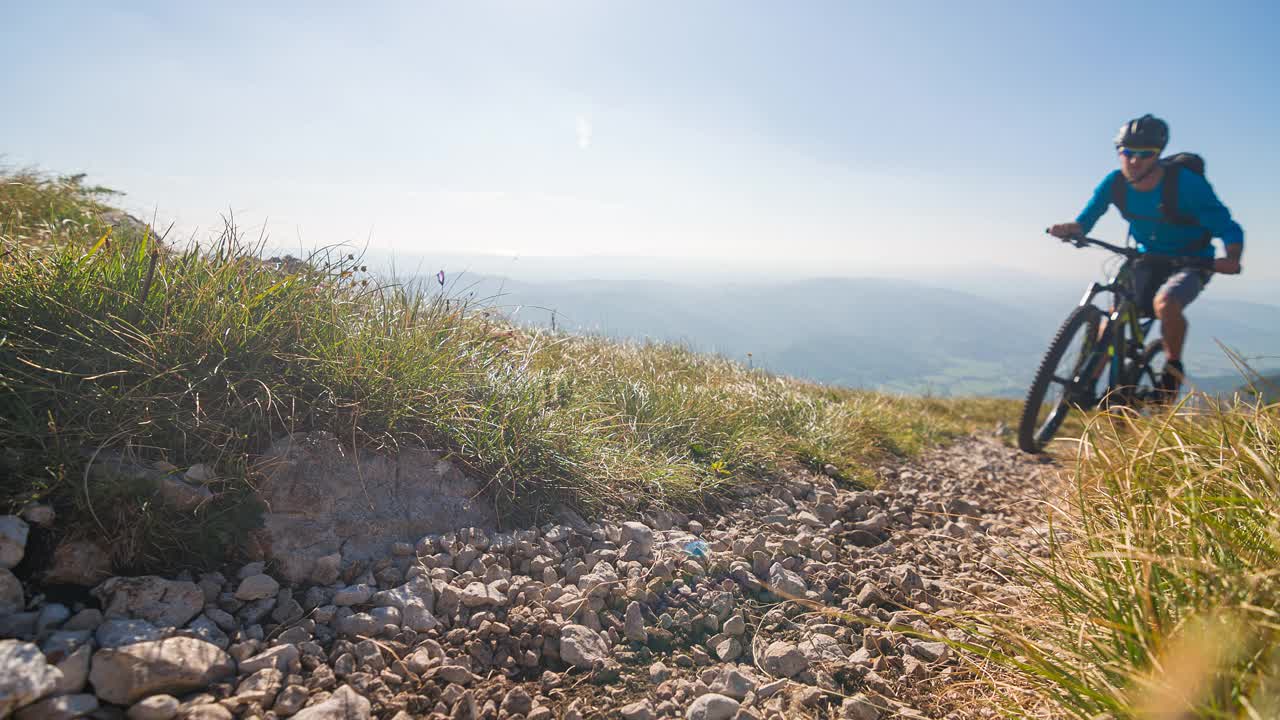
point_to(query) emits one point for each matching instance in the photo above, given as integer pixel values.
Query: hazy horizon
(693, 271)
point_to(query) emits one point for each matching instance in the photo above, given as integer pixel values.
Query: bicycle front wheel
(1066, 377)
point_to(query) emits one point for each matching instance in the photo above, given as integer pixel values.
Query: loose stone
(581, 646)
(25, 676)
(783, 659)
(62, 707)
(712, 706)
(156, 707)
(127, 674)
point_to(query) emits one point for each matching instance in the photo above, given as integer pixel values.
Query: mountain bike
(1092, 343)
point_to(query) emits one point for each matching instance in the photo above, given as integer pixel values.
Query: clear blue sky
(832, 136)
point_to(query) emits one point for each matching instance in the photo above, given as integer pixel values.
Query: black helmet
(1147, 131)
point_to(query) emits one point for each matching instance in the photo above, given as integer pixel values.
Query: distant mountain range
(879, 333)
(1266, 387)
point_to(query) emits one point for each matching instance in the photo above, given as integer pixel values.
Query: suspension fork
(1120, 319)
(1095, 366)
(1092, 291)
(1126, 317)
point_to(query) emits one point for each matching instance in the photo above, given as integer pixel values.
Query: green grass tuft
(1160, 598)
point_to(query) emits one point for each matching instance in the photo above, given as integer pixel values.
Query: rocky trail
(808, 599)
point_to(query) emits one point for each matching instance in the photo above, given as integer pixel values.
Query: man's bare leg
(1173, 329)
(1173, 326)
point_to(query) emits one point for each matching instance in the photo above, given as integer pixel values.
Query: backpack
(1169, 213)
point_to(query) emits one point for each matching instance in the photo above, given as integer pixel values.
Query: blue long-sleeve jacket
(1195, 198)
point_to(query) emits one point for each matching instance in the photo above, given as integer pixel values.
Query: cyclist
(1163, 291)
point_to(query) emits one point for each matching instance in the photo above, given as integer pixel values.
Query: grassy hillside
(110, 340)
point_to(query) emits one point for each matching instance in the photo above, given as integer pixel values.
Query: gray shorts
(1181, 284)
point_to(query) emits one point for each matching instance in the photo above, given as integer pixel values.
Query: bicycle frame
(1125, 325)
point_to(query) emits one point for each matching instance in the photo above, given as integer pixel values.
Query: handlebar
(1191, 261)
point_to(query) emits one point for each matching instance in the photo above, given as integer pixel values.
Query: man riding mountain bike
(1172, 210)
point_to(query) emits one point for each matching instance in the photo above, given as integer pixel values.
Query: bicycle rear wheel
(1066, 377)
(1142, 380)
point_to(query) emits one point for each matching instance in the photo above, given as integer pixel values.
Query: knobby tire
(1032, 437)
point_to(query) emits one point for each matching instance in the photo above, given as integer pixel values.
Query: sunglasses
(1142, 153)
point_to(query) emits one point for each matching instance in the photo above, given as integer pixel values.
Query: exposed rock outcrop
(323, 501)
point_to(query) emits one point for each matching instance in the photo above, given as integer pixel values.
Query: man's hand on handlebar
(1227, 266)
(1067, 231)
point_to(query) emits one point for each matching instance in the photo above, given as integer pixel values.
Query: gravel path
(807, 600)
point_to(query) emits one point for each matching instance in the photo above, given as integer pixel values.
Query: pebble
(517, 702)
(734, 683)
(87, 619)
(477, 594)
(735, 626)
(634, 623)
(12, 599)
(784, 659)
(206, 711)
(455, 674)
(581, 646)
(639, 710)
(156, 707)
(712, 706)
(930, 651)
(859, 707)
(786, 583)
(119, 632)
(25, 675)
(290, 700)
(61, 707)
(344, 704)
(352, 595)
(13, 540)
